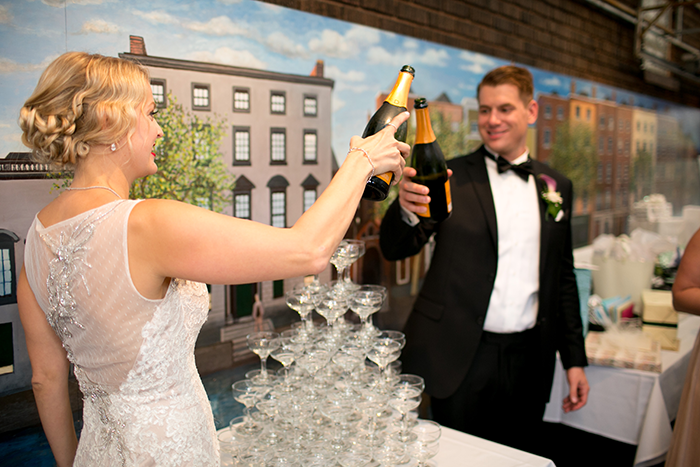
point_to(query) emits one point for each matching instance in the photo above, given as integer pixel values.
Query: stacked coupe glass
(339, 398)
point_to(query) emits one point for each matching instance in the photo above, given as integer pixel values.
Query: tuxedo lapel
(476, 172)
(545, 226)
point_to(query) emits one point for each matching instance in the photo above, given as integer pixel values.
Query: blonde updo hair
(82, 100)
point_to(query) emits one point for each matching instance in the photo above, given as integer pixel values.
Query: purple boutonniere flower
(553, 198)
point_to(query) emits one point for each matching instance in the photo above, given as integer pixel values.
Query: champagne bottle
(429, 162)
(377, 187)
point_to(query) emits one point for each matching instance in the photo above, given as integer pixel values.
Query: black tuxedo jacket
(445, 326)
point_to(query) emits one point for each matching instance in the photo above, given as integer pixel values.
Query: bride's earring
(113, 147)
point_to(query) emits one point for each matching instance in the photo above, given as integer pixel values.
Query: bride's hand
(387, 154)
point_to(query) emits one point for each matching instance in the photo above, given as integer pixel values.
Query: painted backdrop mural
(279, 91)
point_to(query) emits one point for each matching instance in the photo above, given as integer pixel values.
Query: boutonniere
(553, 198)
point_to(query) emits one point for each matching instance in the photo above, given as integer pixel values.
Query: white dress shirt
(514, 299)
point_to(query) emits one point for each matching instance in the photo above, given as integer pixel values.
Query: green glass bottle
(429, 162)
(378, 186)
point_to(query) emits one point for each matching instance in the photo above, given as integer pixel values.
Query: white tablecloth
(459, 449)
(631, 406)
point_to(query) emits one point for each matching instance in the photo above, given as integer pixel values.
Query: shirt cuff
(411, 218)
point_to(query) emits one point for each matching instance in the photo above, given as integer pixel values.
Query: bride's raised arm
(172, 239)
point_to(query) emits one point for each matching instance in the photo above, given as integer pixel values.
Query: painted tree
(574, 155)
(190, 165)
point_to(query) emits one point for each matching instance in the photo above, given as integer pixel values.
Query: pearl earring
(113, 147)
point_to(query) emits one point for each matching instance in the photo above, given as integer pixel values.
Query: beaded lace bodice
(144, 403)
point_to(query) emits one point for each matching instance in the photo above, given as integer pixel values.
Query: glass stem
(263, 367)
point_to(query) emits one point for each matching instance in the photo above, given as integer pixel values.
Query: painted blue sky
(362, 61)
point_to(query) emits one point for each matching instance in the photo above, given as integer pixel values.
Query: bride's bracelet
(367, 156)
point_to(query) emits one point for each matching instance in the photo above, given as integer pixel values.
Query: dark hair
(519, 77)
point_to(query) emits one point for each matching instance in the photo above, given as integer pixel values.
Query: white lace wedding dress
(144, 403)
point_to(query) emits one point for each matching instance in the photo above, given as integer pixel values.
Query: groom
(500, 297)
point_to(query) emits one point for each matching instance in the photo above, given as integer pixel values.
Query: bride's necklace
(92, 187)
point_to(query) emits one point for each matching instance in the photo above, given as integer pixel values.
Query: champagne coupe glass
(248, 393)
(355, 249)
(348, 252)
(232, 442)
(312, 361)
(404, 399)
(339, 258)
(332, 306)
(262, 344)
(372, 405)
(383, 352)
(426, 443)
(365, 301)
(289, 350)
(397, 336)
(301, 300)
(401, 339)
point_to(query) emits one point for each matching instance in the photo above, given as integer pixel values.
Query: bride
(115, 287)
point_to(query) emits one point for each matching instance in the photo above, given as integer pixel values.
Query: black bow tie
(523, 170)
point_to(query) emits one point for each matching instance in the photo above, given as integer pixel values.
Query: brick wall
(571, 37)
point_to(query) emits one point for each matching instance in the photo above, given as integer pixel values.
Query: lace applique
(64, 270)
(173, 423)
(111, 431)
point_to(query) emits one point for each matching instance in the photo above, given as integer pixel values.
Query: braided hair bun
(81, 101)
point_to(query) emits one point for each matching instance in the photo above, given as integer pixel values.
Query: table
(631, 406)
(459, 449)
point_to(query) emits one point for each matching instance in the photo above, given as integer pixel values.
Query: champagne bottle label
(386, 177)
(425, 214)
(448, 195)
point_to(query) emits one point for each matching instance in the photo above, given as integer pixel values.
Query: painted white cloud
(228, 56)
(431, 57)
(477, 63)
(279, 43)
(337, 74)
(98, 26)
(352, 80)
(552, 81)
(229, 2)
(5, 15)
(362, 35)
(8, 66)
(410, 44)
(156, 17)
(219, 26)
(334, 44)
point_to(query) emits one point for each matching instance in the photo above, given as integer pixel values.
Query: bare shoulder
(164, 214)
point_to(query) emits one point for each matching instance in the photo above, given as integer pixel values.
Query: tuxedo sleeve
(570, 329)
(398, 239)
